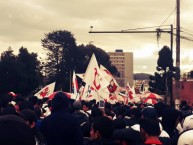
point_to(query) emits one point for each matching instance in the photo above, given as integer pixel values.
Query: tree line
(26, 74)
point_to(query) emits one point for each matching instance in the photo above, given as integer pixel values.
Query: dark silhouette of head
(60, 101)
(14, 131)
(103, 126)
(150, 126)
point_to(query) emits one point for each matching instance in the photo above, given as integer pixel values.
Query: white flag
(91, 76)
(107, 75)
(46, 91)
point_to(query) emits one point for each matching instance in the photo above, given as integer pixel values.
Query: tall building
(124, 63)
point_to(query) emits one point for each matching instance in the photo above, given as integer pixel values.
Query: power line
(169, 15)
(185, 37)
(144, 28)
(189, 31)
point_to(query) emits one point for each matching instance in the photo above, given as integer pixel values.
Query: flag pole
(70, 82)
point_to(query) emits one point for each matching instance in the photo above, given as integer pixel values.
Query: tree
(20, 74)
(30, 71)
(156, 83)
(62, 57)
(165, 58)
(167, 72)
(8, 72)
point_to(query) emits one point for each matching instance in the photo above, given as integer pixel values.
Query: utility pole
(177, 79)
(171, 86)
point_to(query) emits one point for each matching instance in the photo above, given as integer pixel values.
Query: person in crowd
(61, 127)
(86, 107)
(188, 123)
(14, 131)
(86, 128)
(10, 109)
(150, 131)
(119, 123)
(160, 107)
(102, 131)
(34, 100)
(170, 120)
(135, 117)
(39, 113)
(108, 110)
(31, 119)
(79, 114)
(95, 112)
(185, 138)
(150, 112)
(26, 105)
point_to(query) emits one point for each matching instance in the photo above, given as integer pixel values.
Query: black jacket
(61, 128)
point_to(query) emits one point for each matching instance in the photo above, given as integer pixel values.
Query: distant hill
(141, 76)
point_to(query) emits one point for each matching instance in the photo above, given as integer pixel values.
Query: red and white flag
(104, 72)
(129, 92)
(46, 91)
(74, 83)
(89, 93)
(91, 76)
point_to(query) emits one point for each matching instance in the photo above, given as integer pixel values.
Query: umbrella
(150, 101)
(151, 96)
(51, 96)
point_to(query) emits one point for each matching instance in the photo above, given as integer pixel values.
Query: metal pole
(177, 82)
(171, 86)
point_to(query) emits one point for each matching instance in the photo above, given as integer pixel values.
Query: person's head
(186, 138)
(170, 119)
(102, 127)
(77, 105)
(95, 112)
(26, 105)
(4, 100)
(119, 123)
(136, 113)
(86, 106)
(159, 107)
(14, 131)
(149, 127)
(149, 112)
(29, 116)
(188, 123)
(34, 100)
(60, 102)
(10, 109)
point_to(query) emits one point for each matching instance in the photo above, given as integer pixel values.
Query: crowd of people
(63, 121)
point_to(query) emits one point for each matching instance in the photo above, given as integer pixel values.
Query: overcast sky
(24, 23)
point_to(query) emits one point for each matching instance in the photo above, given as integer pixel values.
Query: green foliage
(165, 72)
(30, 71)
(156, 83)
(20, 74)
(64, 56)
(165, 58)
